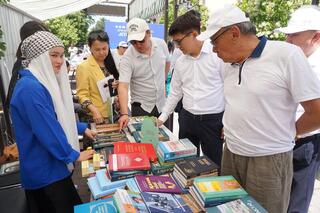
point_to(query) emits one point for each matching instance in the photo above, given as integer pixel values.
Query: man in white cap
(303, 30)
(264, 81)
(143, 66)
(118, 53)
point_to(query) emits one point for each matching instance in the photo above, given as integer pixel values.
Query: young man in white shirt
(198, 79)
(143, 66)
(264, 81)
(303, 30)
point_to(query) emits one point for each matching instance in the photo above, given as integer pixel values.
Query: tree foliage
(72, 28)
(100, 24)
(268, 15)
(194, 4)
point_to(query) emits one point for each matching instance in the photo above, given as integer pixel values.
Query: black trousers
(136, 110)
(204, 130)
(58, 197)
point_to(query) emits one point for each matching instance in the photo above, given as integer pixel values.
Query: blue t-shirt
(43, 147)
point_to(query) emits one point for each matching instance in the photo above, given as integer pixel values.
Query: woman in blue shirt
(45, 126)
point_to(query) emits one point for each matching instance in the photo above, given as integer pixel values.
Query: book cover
(129, 202)
(197, 166)
(96, 190)
(132, 185)
(105, 183)
(129, 162)
(152, 183)
(218, 187)
(244, 205)
(164, 202)
(100, 206)
(173, 149)
(115, 176)
(158, 169)
(125, 147)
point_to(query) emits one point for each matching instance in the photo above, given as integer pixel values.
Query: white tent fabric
(47, 9)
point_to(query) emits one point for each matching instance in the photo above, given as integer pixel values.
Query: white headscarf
(37, 60)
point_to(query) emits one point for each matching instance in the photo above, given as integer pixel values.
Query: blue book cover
(96, 190)
(177, 149)
(100, 206)
(105, 183)
(244, 205)
(132, 185)
(164, 202)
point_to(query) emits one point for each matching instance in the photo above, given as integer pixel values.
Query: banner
(117, 32)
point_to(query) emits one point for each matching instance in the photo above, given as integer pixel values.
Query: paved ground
(315, 202)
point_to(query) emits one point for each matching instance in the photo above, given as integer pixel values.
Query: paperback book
(128, 162)
(153, 183)
(100, 206)
(125, 147)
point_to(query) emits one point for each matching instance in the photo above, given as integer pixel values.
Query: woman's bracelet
(123, 114)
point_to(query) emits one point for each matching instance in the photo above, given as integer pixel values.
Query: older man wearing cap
(143, 66)
(118, 53)
(264, 81)
(303, 30)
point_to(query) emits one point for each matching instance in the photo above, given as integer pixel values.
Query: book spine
(162, 171)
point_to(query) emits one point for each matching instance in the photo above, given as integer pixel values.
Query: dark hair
(195, 13)
(247, 28)
(97, 35)
(184, 24)
(67, 63)
(108, 61)
(26, 30)
(170, 46)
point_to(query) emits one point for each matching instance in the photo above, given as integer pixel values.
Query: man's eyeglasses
(214, 40)
(133, 42)
(178, 42)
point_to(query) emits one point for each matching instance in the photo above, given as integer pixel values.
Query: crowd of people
(250, 104)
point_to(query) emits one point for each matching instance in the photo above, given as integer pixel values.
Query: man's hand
(123, 121)
(115, 84)
(159, 123)
(85, 155)
(90, 133)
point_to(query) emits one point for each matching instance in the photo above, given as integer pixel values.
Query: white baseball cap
(303, 19)
(223, 17)
(136, 29)
(123, 44)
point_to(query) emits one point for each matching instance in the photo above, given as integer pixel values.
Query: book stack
(88, 167)
(175, 150)
(246, 204)
(100, 185)
(129, 202)
(186, 170)
(122, 166)
(214, 190)
(164, 202)
(153, 183)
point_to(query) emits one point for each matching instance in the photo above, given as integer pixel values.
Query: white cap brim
(294, 29)
(207, 34)
(136, 36)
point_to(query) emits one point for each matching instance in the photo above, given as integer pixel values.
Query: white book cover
(104, 88)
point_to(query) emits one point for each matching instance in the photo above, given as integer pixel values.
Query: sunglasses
(215, 39)
(133, 42)
(178, 42)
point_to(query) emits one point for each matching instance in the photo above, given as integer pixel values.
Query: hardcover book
(176, 149)
(125, 147)
(164, 203)
(244, 205)
(218, 188)
(96, 190)
(197, 166)
(100, 206)
(152, 183)
(128, 162)
(105, 183)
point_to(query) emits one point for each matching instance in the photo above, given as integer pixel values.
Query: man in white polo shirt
(118, 52)
(197, 78)
(143, 66)
(303, 30)
(264, 81)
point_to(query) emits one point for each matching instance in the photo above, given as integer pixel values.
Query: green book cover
(218, 187)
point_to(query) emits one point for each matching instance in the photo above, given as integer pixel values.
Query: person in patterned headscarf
(45, 127)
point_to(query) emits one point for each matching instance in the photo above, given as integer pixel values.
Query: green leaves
(72, 28)
(268, 15)
(2, 45)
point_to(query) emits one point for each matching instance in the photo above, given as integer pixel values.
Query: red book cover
(126, 147)
(128, 162)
